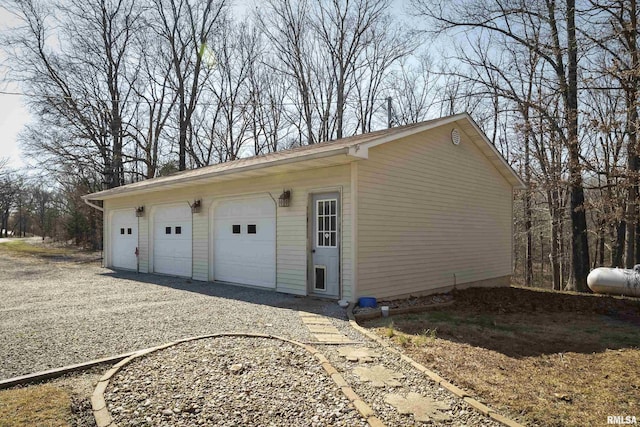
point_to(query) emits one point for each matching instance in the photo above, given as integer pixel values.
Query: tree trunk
(601, 238)
(631, 214)
(617, 244)
(579, 239)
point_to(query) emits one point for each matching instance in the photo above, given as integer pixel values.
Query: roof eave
(124, 191)
(412, 131)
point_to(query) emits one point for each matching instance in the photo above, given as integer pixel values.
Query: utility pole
(389, 122)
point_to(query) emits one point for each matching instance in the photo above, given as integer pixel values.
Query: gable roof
(348, 149)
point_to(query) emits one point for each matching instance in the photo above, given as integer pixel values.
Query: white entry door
(124, 239)
(172, 240)
(325, 254)
(244, 235)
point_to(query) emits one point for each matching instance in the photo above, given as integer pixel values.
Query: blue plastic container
(367, 302)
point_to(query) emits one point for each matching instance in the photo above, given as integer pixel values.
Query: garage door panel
(244, 257)
(124, 239)
(172, 244)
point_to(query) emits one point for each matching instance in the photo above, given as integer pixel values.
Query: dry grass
(21, 247)
(541, 366)
(42, 405)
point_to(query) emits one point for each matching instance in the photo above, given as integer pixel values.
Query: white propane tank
(616, 281)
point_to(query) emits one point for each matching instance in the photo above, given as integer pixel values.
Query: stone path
(393, 393)
(322, 329)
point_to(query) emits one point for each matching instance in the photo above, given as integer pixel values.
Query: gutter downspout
(354, 232)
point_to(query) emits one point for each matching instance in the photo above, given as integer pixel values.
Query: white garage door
(172, 240)
(244, 234)
(124, 239)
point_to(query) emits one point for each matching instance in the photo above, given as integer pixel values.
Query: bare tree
(187, 27)
(616, 39)
(412, 87)
(154, 106)
(74, 62)
(286, 25)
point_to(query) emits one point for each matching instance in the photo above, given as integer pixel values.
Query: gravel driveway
(55, 313)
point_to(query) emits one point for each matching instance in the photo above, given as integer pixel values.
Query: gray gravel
(229, 381)
(55, 313)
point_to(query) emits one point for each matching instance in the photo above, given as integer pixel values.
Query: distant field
(33, 247)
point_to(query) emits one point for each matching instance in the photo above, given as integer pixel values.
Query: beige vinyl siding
(143, 244)
(106, 233)
(291, 222)
(430, 214)
(200, 248)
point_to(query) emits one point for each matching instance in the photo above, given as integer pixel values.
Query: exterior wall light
(284, 199)
(195, 207)
(140, 211)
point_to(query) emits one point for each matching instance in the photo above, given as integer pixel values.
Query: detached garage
(405, 211)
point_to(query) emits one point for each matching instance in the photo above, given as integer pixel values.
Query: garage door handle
(313, 251)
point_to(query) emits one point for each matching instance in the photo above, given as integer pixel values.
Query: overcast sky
(14, 115)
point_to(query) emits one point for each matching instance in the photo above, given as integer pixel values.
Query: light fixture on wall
(195, 207)
(284, 199)
(140, 211)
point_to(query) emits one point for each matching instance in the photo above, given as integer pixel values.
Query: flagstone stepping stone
(422, 408)
(358, 354)
(379, 376)
(333, 338)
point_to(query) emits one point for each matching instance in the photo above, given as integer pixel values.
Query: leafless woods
(126, 90)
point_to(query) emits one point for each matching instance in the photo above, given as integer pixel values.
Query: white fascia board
(124, 191)
(359, 150)
(413, 131)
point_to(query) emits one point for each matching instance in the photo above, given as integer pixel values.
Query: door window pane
(122, 231)
(326, 223)
(128, 231)
(178, 230)
(251, 229)
(167, 230)
(236, 228)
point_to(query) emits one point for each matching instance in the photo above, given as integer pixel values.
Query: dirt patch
(542, 357)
